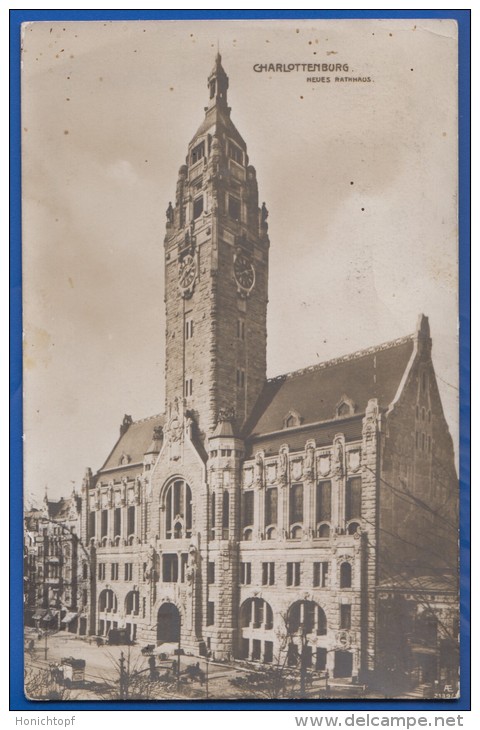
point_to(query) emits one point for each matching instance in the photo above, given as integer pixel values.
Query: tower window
(188, 328)
(198, 152)
(178, 510)
(235, 153)
(198, 207)
(345, 616)
(240, 378)
(210, 613)
(211, 572)
(241, 329)
(188, 387)
(234, 208)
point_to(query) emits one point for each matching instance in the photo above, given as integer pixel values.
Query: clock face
(244, 272)
(186, 273)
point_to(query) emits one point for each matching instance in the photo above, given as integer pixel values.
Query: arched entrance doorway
(168, 624)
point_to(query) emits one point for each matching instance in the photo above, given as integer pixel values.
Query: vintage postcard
(240, 267)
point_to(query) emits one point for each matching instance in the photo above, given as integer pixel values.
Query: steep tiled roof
(315, 392)
(134, 443)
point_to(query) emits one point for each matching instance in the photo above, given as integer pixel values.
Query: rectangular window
(296, 503)
(268, 574)
(128, 571)
(170, 568)
(240, 329)
(131, 520)
(324, 502)
(240, 378)
(117, 521)
(235, 153)
(104, 520)
(114, 571)
(92, 521)
(188, 328)
(198, 152)
(183, 566)
(234, 208)
(188, 387)
(198, 207)
(101, 571)
(245, 573)
(247, 511)
(268, 652)
(210, 613)
(271, 506)
(293, 574)
(345, 616)
(320, 575)
(84, 596)
(211, 572)
(353, 499)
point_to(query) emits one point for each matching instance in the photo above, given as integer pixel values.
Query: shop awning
(68, 618)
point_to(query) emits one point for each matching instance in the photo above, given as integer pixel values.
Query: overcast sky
(359, 178)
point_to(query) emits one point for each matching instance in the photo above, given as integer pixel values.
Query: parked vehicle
(117, 637)
(70, 672)
(148, 649)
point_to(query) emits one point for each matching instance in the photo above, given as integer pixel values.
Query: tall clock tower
(216, 273)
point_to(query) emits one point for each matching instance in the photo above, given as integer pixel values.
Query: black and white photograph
(240, 320)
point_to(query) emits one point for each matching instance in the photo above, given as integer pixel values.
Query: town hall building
(258, 516)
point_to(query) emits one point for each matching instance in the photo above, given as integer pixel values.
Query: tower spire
(218, 82)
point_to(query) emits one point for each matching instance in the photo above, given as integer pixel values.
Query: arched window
(345, 575)
(353, 528)
(307, 617)
(178, 510)
(323, 530)
(132, 603)
(255, 613)
(107, 601)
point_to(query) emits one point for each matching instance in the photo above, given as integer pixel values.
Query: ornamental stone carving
(309, 461)
(339, 454)
(259, 469)
(283, 465)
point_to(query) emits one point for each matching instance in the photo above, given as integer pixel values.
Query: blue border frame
(17, 698)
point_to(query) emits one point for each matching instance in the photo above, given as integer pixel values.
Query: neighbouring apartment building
(256, 516)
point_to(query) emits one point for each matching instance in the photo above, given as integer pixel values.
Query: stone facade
(56, 587)
(256, 517)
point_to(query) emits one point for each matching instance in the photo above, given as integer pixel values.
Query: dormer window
(345, 407)
(198, 152)
(292, 419)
